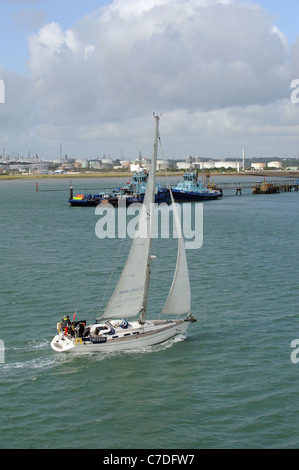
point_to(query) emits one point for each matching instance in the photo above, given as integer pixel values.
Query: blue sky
(90, 73)
(286, 14)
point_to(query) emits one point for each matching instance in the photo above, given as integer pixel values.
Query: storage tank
(258, 166)
(275, 165)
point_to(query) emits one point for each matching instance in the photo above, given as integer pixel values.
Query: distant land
(113, 174)
(64, 167)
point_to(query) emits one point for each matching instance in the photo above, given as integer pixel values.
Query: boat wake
(29, 357)
(36, 361)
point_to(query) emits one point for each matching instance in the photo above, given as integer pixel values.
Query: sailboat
(117, 328)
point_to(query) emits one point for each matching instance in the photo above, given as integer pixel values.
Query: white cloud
(204, 63)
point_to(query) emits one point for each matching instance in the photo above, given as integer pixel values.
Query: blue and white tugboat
(135, 189)
(132, 192)
(192, 189)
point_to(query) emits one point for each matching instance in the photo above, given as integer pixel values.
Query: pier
(259, 187)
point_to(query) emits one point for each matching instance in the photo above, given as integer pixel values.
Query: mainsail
(179, 298)
(130, 295)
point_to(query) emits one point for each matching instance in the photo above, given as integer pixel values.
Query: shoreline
(116, 174)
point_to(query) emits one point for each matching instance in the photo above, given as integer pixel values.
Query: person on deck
(65, 323)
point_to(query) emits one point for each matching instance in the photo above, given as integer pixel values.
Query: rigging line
(101, 295)
(163, 158)
(111, 273)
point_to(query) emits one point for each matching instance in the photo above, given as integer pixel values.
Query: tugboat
(192, 189)
(134, 191)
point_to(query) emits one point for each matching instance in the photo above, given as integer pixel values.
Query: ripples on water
(229, 383)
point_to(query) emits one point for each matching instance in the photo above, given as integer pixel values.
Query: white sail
(179, 298)
(130, 295)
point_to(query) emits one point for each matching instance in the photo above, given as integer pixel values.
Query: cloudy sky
(90, 73)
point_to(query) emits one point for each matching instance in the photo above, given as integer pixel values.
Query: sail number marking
(130, 291)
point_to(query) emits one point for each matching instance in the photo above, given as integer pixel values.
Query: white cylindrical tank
(275, 165)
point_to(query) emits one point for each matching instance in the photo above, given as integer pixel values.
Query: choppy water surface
(229, 384)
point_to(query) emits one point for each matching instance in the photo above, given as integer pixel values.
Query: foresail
(179, 298)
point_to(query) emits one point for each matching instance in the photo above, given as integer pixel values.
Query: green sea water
(230, 383)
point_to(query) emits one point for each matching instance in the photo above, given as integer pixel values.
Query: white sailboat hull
(136, 336)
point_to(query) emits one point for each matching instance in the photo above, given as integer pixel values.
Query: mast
(148, 202)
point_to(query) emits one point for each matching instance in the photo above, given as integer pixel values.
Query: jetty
(259, 187)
